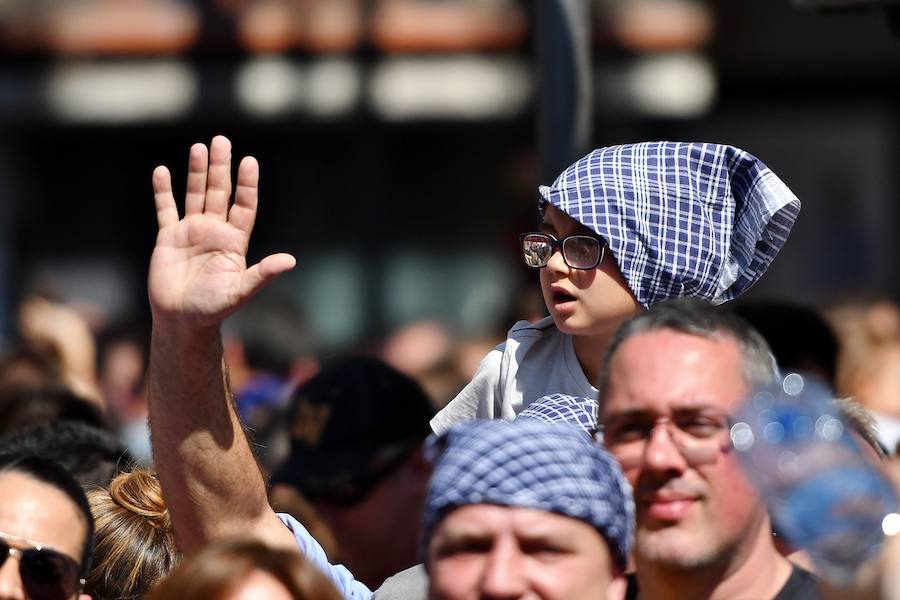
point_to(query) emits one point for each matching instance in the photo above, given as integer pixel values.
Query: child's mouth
(562, 298)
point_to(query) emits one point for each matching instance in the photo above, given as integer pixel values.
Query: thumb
(265, 271)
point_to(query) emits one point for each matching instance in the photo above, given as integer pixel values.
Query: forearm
(212, 483)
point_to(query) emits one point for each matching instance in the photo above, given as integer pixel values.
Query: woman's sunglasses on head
(578, 251)
(46, 574)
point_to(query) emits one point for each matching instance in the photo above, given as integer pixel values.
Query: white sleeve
(347, 585)
(476, 400)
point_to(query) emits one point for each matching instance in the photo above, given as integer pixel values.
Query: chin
(578, 325)
(685, 550)
(569, 325)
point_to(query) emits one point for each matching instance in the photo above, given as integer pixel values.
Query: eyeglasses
(579, 251)
(46, 574)
(698, 437)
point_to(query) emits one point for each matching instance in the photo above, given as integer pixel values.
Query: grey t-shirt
(536, 359)
(411, 584)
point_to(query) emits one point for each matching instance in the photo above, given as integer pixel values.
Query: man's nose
(661, 453)
(10, 581)
(505, 575)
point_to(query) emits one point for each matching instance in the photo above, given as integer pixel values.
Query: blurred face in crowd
(260, 586)
(487, 551)
(583, 302)
(31, 513)
(665, 420)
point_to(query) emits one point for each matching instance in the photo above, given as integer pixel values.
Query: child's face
(583, 302)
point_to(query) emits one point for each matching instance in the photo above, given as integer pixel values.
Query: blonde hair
(135, 546)
(218, 571)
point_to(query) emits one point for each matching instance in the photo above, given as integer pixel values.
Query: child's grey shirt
(536, 360)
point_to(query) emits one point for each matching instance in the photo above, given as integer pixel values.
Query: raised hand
(198, 271)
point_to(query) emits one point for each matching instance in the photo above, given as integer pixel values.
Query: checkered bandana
(561, 408)
(529, 464)
(681, 219)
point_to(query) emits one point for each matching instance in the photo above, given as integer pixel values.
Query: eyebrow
(691, 408)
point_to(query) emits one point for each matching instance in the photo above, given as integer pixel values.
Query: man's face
(690, 512)
(487, 551)
(35, 511)
(583, 302)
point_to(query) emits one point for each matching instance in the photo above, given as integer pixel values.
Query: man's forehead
(491, 519)
(39, 512)
(664, 370)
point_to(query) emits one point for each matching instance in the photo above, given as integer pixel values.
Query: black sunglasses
(46, 574)
(578, 251)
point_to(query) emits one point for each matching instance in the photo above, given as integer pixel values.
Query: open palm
(198, 271)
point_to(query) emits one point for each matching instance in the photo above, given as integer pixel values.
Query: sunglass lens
(536, 250)
(581, 251)
(48, 575)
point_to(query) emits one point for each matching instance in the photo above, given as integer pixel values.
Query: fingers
(265, 271)
(166, 210)
(198, 163)
(218, 184)
(246, 194)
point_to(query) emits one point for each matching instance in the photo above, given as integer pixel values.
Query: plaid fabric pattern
(681, 219)
(562, 408)
(530, 464)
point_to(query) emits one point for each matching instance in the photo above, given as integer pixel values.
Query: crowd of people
(593, 454)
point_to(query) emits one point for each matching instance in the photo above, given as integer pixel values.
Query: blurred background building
(401, 143)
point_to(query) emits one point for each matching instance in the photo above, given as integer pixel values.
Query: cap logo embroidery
(310, 421)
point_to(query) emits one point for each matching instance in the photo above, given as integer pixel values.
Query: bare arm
(198, 276)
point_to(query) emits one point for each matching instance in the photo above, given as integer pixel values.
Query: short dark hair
(90, 454)
(21, 407)
(800, 337)
(701, 318)
(47, 471)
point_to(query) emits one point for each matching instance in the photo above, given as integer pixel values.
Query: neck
(590, 350)
(757, 571)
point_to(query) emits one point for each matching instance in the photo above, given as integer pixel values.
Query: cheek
(631, 474)
(545, 289)
(544, 278)
(735, 497)
(571, 579)
(454, 578)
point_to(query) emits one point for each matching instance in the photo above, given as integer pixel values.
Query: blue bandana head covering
(681, 219)
(529, 464)
(562, 408)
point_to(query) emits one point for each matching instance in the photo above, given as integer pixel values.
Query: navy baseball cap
(349, 426)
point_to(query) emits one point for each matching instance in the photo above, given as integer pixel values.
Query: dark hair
(46, 471)
(800, 338)
(220, 568)
(90, 454)
(26, 406)
(697, 317)
(134, 333)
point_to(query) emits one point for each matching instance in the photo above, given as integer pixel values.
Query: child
(623, 228)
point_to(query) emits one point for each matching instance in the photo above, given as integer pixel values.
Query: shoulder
(527, 329)
(411, 584)
(525, 336)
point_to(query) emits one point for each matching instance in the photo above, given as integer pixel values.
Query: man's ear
(617, 588)
(84, 597)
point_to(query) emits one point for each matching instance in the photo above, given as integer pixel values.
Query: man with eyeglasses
(46, 531)
(672, 377)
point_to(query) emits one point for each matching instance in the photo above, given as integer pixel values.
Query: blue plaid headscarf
(681, 219)
(562, 408)
(529, 464)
